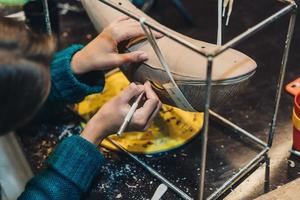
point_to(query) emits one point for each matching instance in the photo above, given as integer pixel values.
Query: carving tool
(130, 115)
(171, 87)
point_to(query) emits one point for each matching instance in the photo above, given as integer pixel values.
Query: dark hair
(24, 75)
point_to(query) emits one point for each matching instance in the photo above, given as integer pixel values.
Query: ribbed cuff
(77, 160)
(65, 86)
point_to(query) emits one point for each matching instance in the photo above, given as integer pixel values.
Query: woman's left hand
(102, 52)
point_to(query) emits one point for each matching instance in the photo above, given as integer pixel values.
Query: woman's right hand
(111, 115)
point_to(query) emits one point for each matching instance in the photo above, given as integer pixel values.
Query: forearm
(67, 87)
(50, 185)
(71, 169)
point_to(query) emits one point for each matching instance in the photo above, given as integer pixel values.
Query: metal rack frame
(262, 156)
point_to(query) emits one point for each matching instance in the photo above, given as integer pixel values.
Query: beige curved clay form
(231, 70)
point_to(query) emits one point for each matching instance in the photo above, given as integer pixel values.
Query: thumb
(132, 57)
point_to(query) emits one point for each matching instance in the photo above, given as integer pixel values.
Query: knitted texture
(75, 162)
(71, 169)
(78, 160)
(65, 85)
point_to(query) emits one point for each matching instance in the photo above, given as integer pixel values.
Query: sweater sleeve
(65, 86)
(71, 169)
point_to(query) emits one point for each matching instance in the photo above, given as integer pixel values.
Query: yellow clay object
(171, 128)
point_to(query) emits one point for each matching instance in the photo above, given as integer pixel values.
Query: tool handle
(129, 115)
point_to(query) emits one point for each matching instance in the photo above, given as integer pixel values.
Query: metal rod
(194, 48)
(221, 119)
(152, 171)
(204, 133)
(182, 101)
(219, 31)
(156, 49)
(230, 182)
(47, 17)
(281, 76)
(255, 28)
(296, 153)
(158, 29)
(267, 174)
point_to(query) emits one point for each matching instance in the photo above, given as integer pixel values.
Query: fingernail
(143, 56)
(159, 35)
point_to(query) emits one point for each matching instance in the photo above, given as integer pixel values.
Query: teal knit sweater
(75, 162)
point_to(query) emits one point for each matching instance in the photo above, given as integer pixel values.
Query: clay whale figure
(231, 70)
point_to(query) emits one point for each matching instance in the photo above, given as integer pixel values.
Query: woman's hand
(102, 52)
(111, 115)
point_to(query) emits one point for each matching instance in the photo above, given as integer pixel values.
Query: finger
(150, 94)
(151, 103)
(143, 114)
(130, 29)
(132, 57)
(120, 19)
(136, 24)
(129, 32)
(158, 107)
(130, 20)
(131, 91)
(157, 34)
